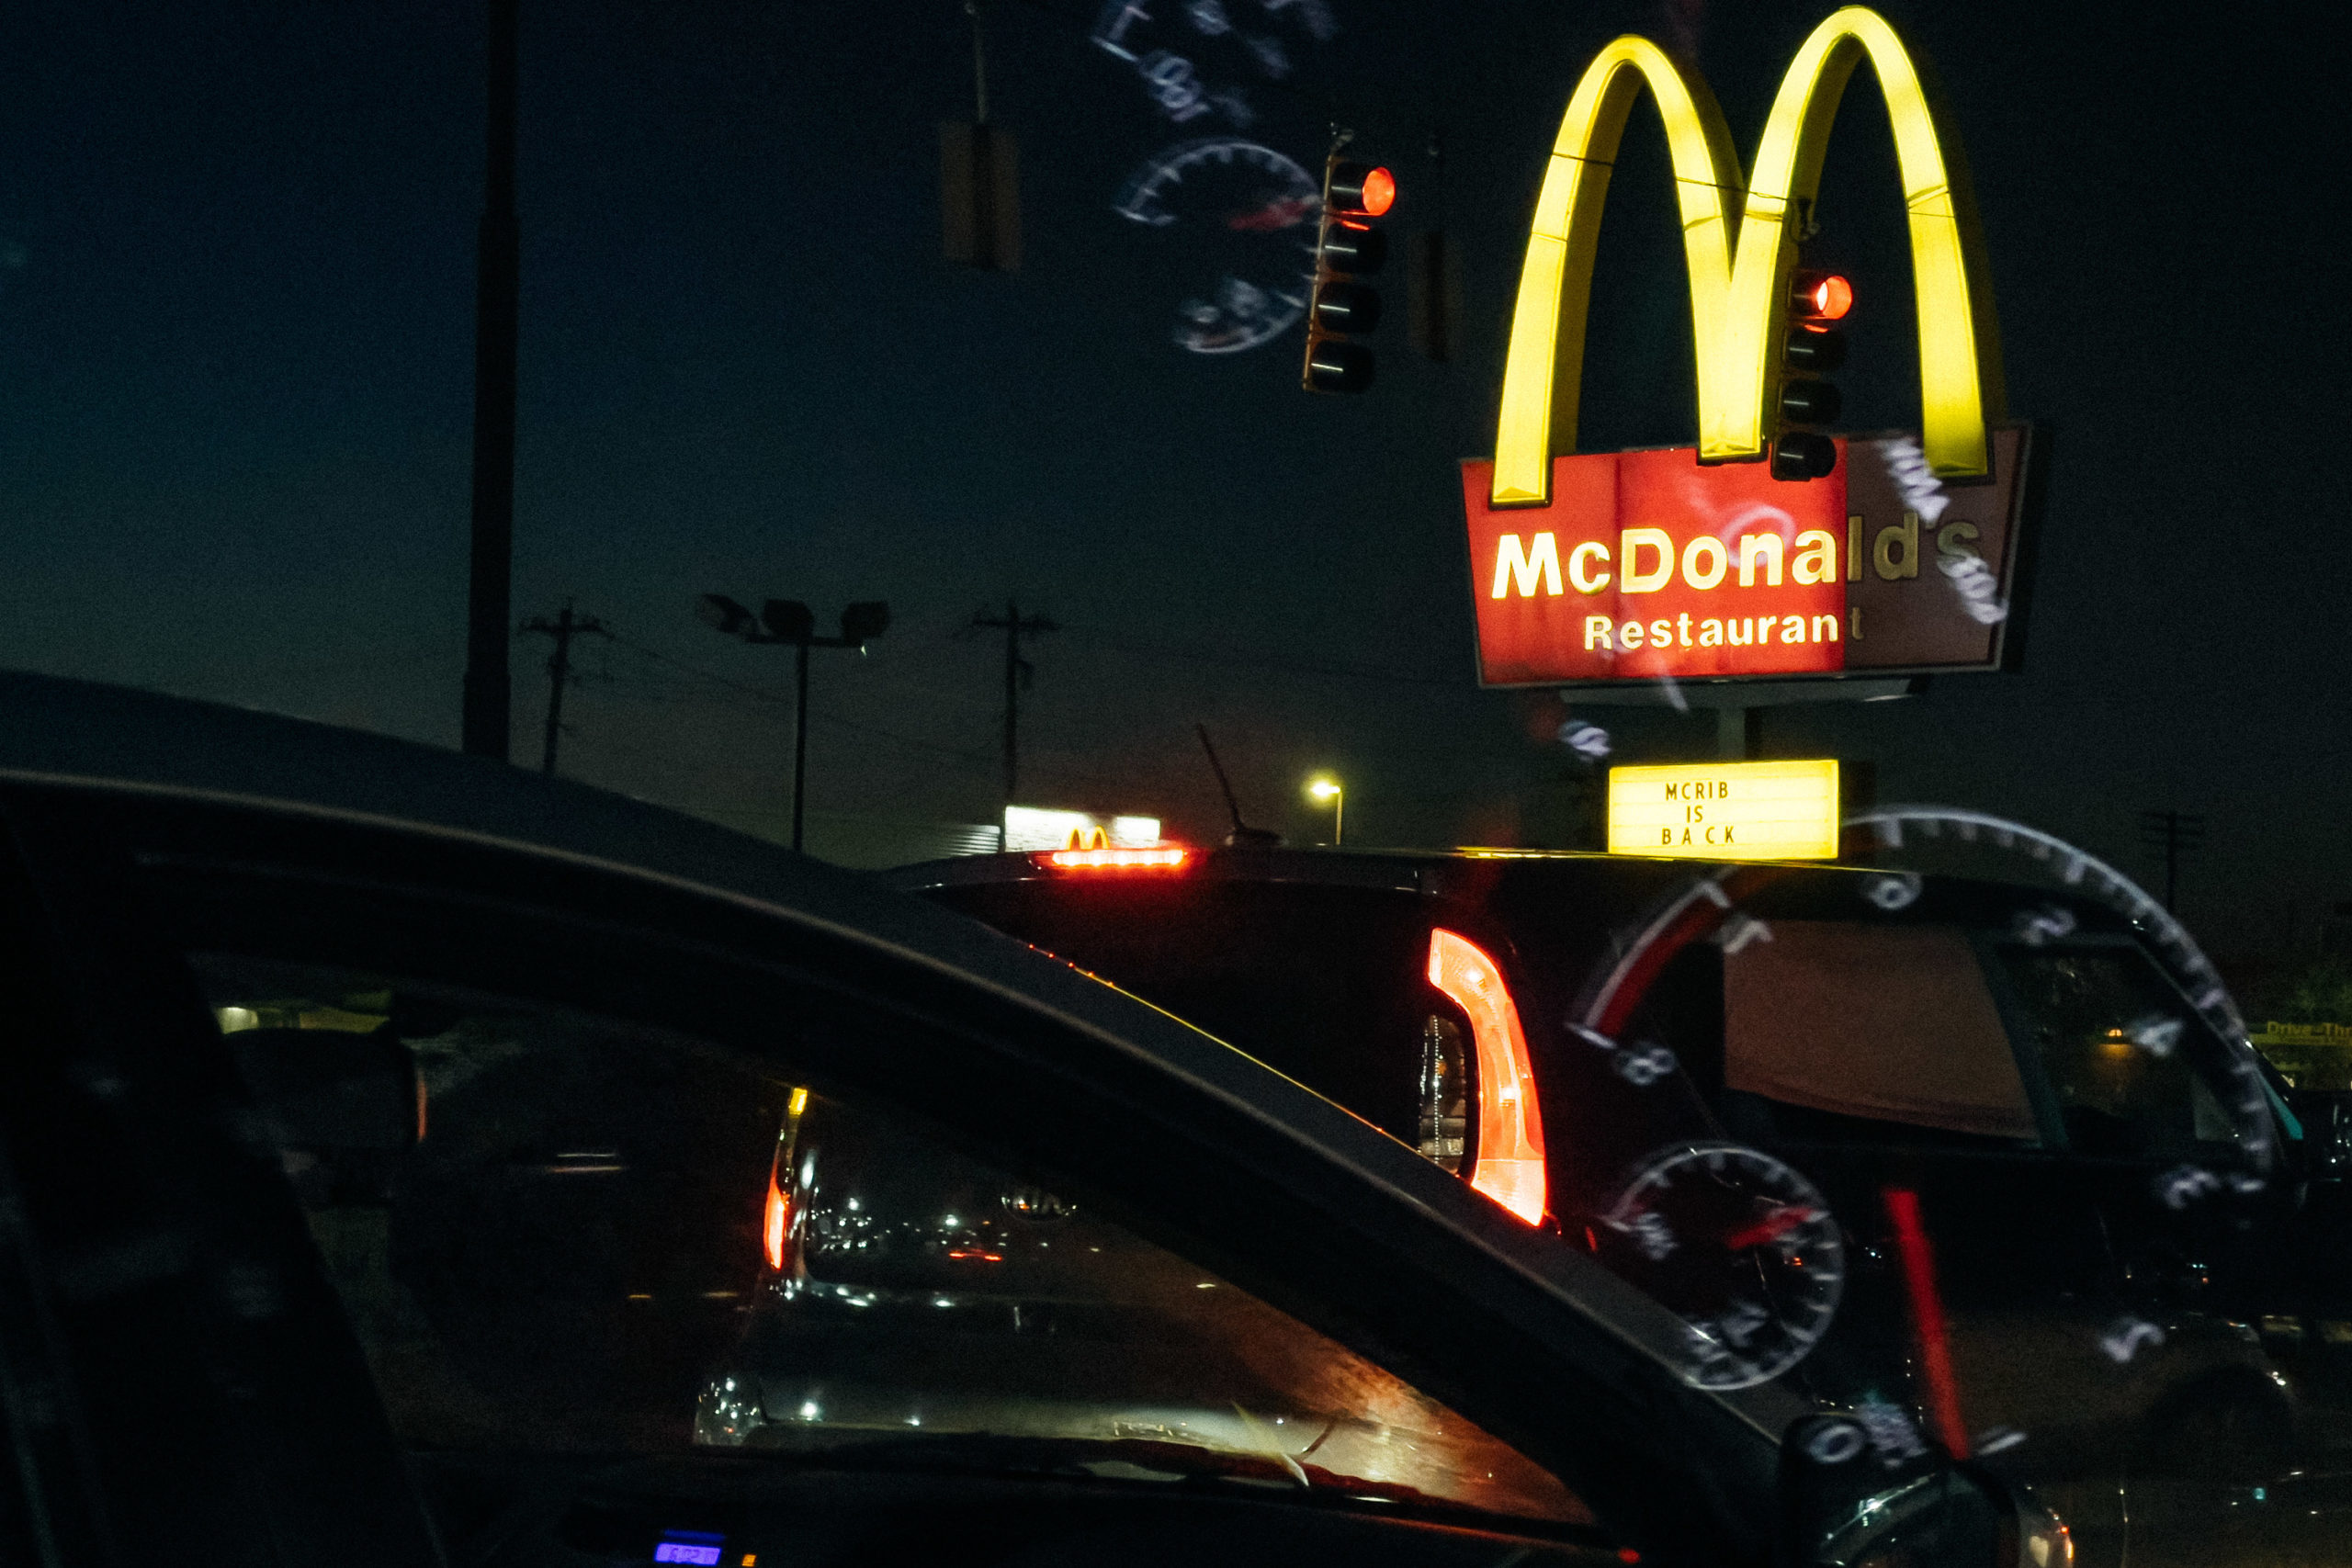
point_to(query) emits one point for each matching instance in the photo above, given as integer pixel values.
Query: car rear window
(1885, 1023)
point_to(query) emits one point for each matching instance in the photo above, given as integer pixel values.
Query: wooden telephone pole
(1018, 672)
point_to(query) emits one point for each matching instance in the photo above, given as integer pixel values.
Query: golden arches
(1737, 278)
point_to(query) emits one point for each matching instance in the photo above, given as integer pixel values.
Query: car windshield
(1726, 618)
(564, 1235)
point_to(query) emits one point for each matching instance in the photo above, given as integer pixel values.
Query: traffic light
(1812, 347)
(1346, 249)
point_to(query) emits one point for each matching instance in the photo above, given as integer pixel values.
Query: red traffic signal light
(1822, 295)
(1364, 190)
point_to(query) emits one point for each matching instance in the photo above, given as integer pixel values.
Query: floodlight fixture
(1323, 786)
(864, 621)
(788, 620)
(716, 610)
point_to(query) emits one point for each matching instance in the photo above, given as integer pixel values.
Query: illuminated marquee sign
(1034, 828)
(1694, 562)
(1725, 811)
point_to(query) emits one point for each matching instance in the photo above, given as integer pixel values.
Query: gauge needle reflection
(1772, 1227)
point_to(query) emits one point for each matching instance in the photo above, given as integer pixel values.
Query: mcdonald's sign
(1694, 561)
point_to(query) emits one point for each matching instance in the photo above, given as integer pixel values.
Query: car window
(2112, 1037)
(562, 1233)
(1325, 985)
(1886, 1023)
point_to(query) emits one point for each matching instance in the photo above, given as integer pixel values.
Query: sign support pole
(1740, 734)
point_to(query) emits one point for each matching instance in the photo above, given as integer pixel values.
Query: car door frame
(1284, 1186)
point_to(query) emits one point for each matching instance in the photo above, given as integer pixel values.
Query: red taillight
(777, 1221)
(775, 1216)
(1510, 1167)
(1160, 857)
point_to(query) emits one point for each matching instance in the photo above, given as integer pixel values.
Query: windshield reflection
(921, 1294)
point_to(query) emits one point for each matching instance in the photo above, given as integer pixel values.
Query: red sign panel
(1648, 564)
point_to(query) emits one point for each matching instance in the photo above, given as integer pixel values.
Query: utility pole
(2172, 834)
(488, 691)
(563, 628)
(1017, 673)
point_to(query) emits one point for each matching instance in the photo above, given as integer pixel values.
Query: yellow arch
(1737, 279)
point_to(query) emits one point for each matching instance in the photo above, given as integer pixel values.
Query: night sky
(236, 294)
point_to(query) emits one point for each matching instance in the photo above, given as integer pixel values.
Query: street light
(1325, 787)
(790, 621)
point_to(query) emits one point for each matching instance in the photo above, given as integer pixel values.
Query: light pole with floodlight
(1326, 787)
(790, 621)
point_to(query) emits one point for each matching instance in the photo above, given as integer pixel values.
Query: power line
(966, 755)
(1192, 656)
(696, 670)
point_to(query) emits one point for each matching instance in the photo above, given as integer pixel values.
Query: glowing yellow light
(1726, 810)
(1738, 253)
(1326, 787)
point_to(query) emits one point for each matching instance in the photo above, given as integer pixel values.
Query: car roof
(1624, 882)
(1401, 870)
(79, 730)
(90, 736)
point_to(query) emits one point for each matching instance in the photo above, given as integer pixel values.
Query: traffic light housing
(1348, 249)
(1811, 346)
(980, 196)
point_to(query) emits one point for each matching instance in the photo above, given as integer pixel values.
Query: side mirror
(1845, 1503)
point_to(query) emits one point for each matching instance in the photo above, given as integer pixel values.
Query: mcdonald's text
(1648, 564)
